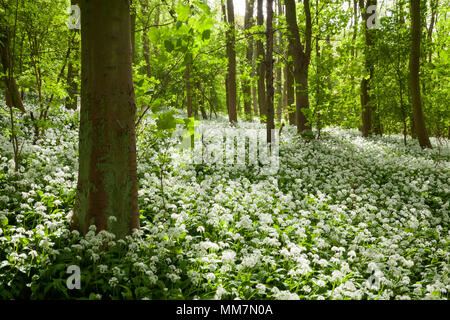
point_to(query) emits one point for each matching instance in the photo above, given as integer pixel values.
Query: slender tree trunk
(301, 58)
(355, 28)
(278, 75)
(13, 98)
(201, 101)
(290, 92)
(261, 70)
(146, 44)
(72, 66)
(246, 86)
(133, 31)
(269, 71)
(254, 87)
(318, 72)
(434, 4)
(231, 54)
(414, 65)
(188, 90)
(366, 103)
(107, 178)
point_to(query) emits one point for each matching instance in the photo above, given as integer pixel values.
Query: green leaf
(190, 125)
(183, 12)
(166, 121)
(169, 45)
(188, 58)
(206, 34)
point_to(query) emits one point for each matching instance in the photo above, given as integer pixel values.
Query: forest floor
(341, 217)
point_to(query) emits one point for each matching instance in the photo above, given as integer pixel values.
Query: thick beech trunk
(107, 178)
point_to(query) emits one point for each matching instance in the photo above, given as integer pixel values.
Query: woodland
(224, 149)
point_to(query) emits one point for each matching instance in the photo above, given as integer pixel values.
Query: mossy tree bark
(107, 178)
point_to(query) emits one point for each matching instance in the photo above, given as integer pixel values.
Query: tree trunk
(301, 58)
(231, 54)
(188, 90)
(289, 83)
(261, 70)
(366, 104)
(12, 95)
(269, 71)
(414, 65)
(72, 69)
(133, 31)
(201, 101)
(246, 86)
(254, 87)
(278, 74)
(146, 44)
(107, 178)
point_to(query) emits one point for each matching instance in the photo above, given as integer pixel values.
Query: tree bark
(12, 96)
(133, 31)
(261, 70)
(107, 178)
(231, 54)
(254, 87)
(366, 103)
(269, 71)
(188, 90)
(414, 65)
(301, 58)
(246, 86)
(290, 92)
(278, 74)
(72, 69)
(146, 44)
